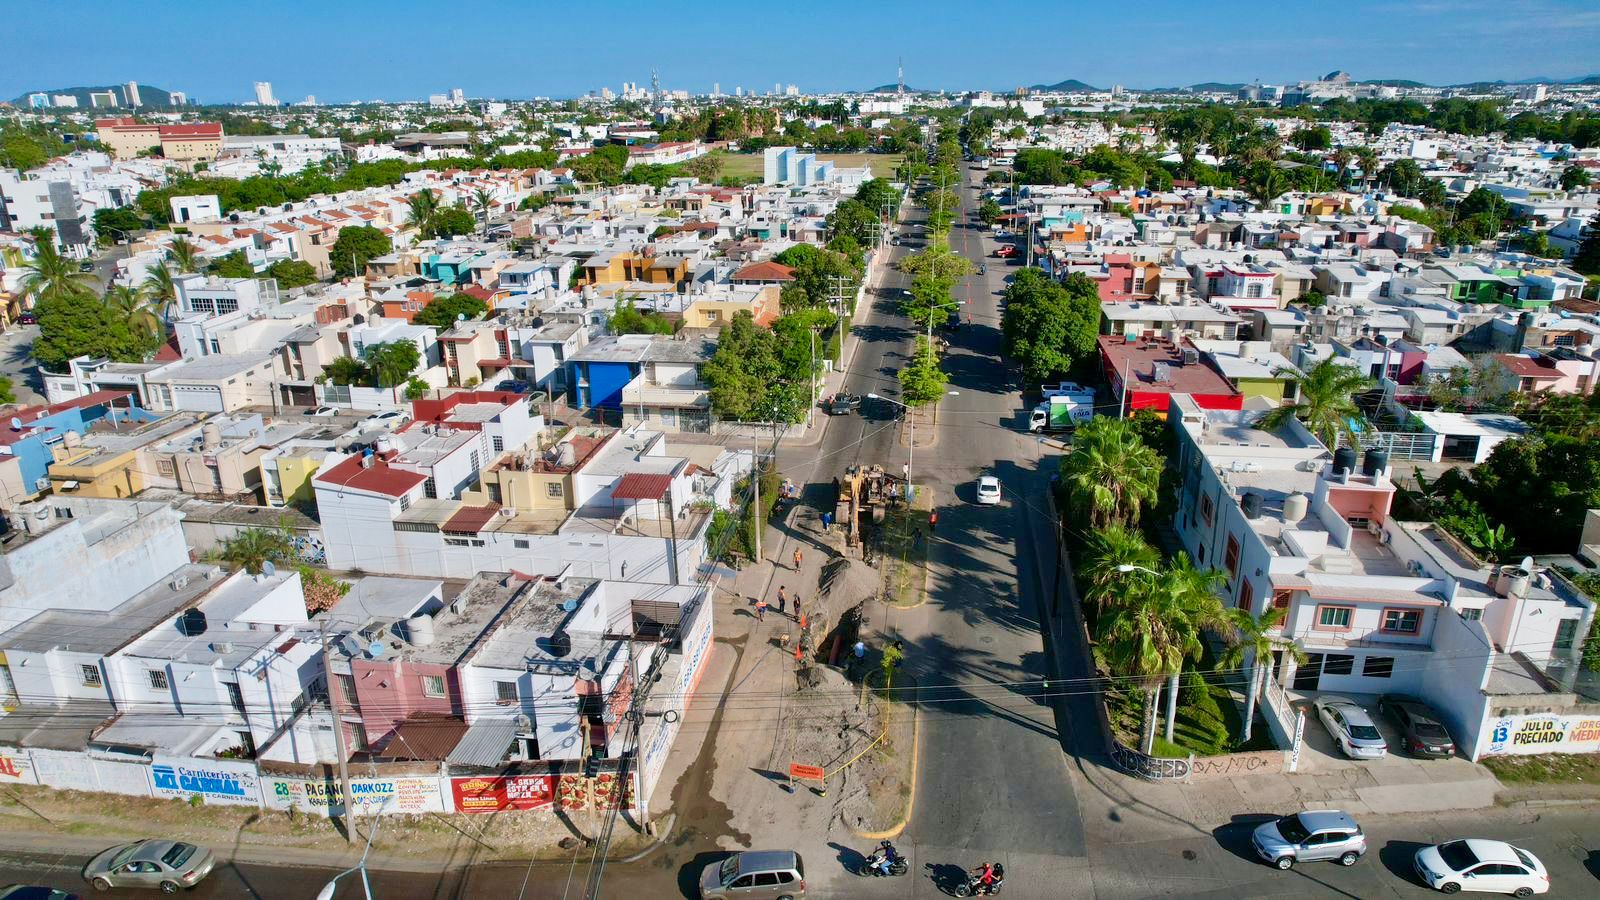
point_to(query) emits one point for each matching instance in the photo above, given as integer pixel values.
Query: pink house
(1560, 371)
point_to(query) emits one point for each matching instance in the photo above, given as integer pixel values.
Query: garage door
(197, 397)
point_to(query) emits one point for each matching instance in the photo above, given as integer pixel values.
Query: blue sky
(344, 50)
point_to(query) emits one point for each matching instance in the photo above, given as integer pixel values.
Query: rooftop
(101, 633)
(378, 478)
(230, 638)
(1156, 366)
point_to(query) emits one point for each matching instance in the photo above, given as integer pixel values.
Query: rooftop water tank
(1344, 460)
(1295, 507)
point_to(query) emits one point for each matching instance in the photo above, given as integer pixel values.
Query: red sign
(494, 793)
(807, 773)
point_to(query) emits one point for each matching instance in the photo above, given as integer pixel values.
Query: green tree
(1327, 403)
(878, 195)
(483, 204)
(1253, 641)
(292, 273)
(253, 548)
(1049, 327)
(392, 362)
(416, 389)
(1587, 259)
(443, 311)
(1108, 550)
(7, 393)
(1574, 177)
(1141, 641)
(420, 209)
(357, 245)
(184, 255)
(604, 165)
(744, 376)
(707, 167)
(346, 370)
(133, 307)
(989, 212)
(451, 221)
(1111, 474)
(853, 218)
(117, 223)
(79, 325)
(234, 265)
(922, 381)
(51, 276)
(160, 291)
(628, 319)
(1316, 137)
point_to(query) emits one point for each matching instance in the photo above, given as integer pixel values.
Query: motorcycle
(897, 866)
(974, 887)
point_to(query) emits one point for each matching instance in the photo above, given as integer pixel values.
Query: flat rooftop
(536, 614)
(458, 627)
(228, 639)
(103, 632)
(1156, 366)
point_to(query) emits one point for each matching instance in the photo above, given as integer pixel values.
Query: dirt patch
(876, 788)
(903, 540)
(114, 817)
(1548, 768)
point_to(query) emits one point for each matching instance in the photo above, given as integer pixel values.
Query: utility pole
(755, 488)
(338, 738)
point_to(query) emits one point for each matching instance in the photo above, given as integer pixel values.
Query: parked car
(1492, 867)
(27, 318)
(323, 411)
(86, 266)
(756, 874)
(988, 490)
(168, 865)
(1421, 731)
(515, 385)
(34, 892)
(388, 420)
(843, 404)
(1324, 834)
(1352, 728)
(1006, 251)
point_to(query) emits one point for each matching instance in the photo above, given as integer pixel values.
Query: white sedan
(1491, 867)
(988, 490)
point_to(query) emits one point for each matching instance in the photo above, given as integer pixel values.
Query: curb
(911, 804)
(662, 834)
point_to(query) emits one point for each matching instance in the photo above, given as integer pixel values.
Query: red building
(1146, 372)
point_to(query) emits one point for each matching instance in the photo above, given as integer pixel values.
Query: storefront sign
(218, 781)
(373, 795)
(494, 793)
(17, 768)
(1543, 733)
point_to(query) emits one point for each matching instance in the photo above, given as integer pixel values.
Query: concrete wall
(1454, 684)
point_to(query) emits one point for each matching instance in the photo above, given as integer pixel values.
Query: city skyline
(1444, 42)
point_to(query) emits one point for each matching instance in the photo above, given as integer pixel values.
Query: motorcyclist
(883, 858)
(987, 878)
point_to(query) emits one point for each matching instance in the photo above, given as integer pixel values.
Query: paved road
(16, 363)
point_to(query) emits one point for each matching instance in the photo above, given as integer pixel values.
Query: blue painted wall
(605, 382)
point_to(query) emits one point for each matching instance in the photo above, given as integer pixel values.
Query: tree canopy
(443, 311)
(627, 318)
(1050, 327)
(357, 245)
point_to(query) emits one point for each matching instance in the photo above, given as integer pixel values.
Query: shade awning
(485, 743)
(639, 486)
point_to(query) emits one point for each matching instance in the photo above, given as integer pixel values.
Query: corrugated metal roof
(424, 738)
(641, 486)
(485, 743)
(471, 519)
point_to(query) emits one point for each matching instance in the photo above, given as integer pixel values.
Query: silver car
(1352, 727)
(755, 875)
(1324, 834)
(169, 865)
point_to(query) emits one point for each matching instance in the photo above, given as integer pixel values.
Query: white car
(1352, 727)
(324, 411)
(388, 420)
(1492, 867)
(988, 490)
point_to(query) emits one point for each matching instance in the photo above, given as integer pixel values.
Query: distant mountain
(1213, 87)
(1394, 82)
(1070, 86)
(891, 88)
(149, 96)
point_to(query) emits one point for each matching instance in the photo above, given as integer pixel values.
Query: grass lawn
(1550, 768)
(1205, 725)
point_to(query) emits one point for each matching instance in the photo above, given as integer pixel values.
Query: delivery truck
(1061, 412)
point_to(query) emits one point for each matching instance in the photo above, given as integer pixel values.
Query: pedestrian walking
(933, 521)
(798, 616)
(783, 598)
(761, 609)
(797, 557)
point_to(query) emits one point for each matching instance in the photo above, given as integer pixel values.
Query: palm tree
(1111, 471)
(1192, 594)
(1266, 185)
(1255, 638)
(1327, 402)
(253, 548)
(133, 306)
(185, 256)
(51, 276)
(483, 201)
(423, 205)
(1341, 158)
(160, 291)
(1111, 549)
(1367, 160)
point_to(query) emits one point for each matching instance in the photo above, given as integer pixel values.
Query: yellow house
(94, 471)
(717, 309)
(538, 485)
(286, 474)
(1324, 206)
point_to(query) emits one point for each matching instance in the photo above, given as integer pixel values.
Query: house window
(1472, 614)
(1338, 664)
(1253, 291)
(347, 689)
(433, 685)
(1230, 558)
(519, 543)
(1377, 666)
(1247, 596)
(505, 692)
(553, 489)
(91, 676)
(158, 679)
(1281, 597)
(1335, 618)
(498, 443)
(405, 502)
(165, 468)
(473, 460)
(1402, 621)
(430, 488)
(1207, 510)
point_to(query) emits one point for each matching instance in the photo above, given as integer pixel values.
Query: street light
(951, 305)
(1125, 568)
(911, 452)
(332, 886)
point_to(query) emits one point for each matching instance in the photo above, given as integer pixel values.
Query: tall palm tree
(160, 291)
(1192, 594)
(483, 201)
(185, 256)
(51, 276)
(1267, 184)
(1367, 160)
(1143, 639)
(1327, 403)
(1341, 158)
(133, 306)
(1111, 471)
(422, 205)
(1254, 639)
(1110, 549)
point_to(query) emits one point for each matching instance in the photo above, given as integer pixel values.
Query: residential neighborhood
(703, 487)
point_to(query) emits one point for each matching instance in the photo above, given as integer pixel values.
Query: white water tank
(211, 436)
(1295, 507)
(419, 630)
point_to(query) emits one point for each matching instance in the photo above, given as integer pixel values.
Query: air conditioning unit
(508, 512)
(41, 484)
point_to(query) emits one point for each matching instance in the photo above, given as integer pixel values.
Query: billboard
(217, 780)
(405, 794)
(16, 767)
(494, 793)
(1543, 733)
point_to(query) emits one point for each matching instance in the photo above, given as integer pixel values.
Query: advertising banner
(1543, 733)
(217, 780)
(16, 767)
(490, 794)
(407, 794)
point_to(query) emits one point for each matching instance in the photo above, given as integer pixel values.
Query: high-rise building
(791, 91)
(310, 100)
(716, 89)
(38, 101)
(179, 98)
(458, 97)
(738, 91)
(98, 99)
(64, 101)
(605, 94)
(130, 93)
(264, 94)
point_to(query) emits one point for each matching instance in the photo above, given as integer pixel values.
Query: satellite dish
(268, 569)
(16, 424)
(569, 605)
(461, 317)
(375, 649)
